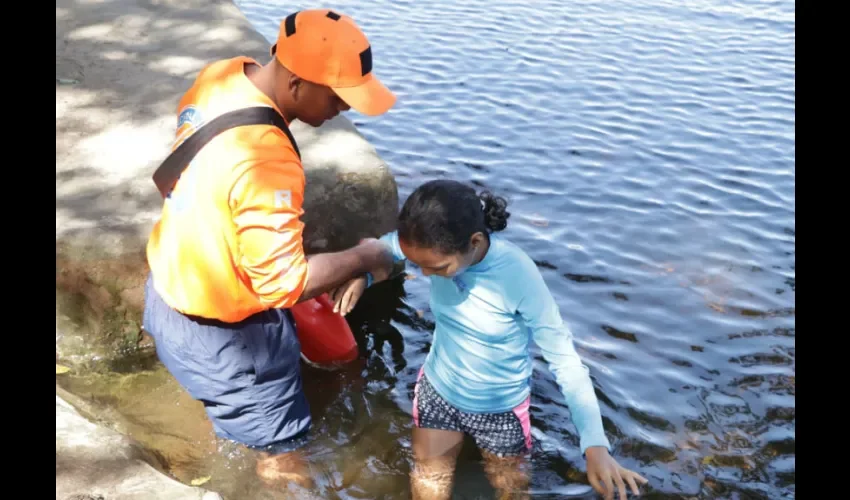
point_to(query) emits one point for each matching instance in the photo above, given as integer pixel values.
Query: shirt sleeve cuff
(596, 440)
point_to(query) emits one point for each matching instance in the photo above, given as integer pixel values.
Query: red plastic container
(326, 339)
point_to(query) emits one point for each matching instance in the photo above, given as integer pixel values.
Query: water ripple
(648, 151)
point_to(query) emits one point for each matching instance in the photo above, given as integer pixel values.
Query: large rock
(121, 67)
(351, 193)
(93, 462)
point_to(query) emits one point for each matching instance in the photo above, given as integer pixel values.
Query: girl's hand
(346, 296)
(604, 472)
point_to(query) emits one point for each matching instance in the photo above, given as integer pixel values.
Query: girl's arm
(391, 241)
(538, 309)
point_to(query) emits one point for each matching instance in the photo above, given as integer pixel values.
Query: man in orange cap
(227, 257)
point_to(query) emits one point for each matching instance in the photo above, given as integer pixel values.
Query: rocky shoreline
(121, 67)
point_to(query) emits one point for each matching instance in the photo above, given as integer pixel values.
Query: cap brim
(371, 98)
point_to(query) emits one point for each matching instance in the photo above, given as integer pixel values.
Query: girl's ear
(476, 240)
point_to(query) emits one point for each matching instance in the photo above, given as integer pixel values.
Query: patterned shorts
(503, 434)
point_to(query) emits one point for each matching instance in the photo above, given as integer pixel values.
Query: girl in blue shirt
(489, 301)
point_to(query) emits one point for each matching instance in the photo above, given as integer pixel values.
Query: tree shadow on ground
(121, 67)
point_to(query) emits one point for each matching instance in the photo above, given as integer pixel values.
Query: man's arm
(330, 270)
(266, 202)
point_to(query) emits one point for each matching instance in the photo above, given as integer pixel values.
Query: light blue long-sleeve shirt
(486, 317)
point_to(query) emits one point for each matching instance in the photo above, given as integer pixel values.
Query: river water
(647, 148)
(648, 151)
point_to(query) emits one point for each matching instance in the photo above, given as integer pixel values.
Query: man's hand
(346, 296)
(603, 472)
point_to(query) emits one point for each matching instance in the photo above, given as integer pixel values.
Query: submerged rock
(93, 462)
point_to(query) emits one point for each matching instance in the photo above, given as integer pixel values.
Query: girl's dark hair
(444, 214)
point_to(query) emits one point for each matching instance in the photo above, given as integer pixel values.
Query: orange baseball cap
(327, 48)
